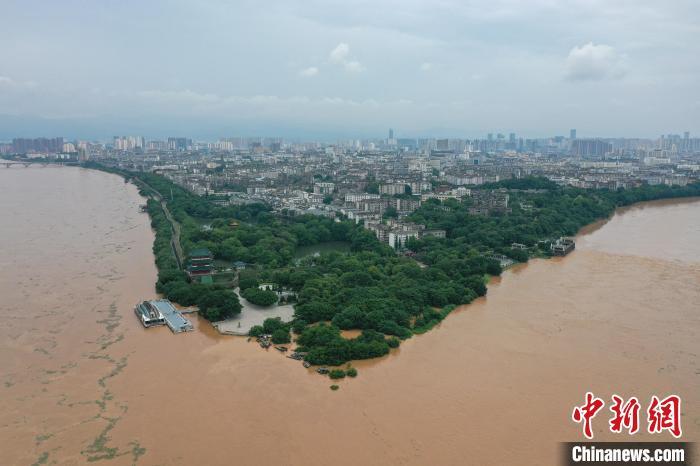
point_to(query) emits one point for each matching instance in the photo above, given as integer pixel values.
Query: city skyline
(395, 141)
(325, 71)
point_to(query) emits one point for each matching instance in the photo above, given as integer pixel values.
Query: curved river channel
(81, 381)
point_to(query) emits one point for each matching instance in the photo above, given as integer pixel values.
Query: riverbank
(630, 219)
(372, 288)
(525, 351)
(592, 227)
(174, 225)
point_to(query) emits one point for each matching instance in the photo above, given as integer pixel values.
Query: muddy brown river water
(494, 384)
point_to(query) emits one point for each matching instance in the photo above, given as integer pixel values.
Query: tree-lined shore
(388, 296)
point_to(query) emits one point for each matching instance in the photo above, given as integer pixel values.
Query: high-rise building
(179, 143)
(157, 145)
(391, 141)
(129, 142)
(572, 134)
(38, 145)
(590, 147)
(223, 145)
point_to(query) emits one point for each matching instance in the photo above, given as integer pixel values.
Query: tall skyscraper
(685, 144)
(391, 134)
(572, 134)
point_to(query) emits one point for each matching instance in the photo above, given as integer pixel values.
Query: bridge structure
(27, 163)
(12, 163)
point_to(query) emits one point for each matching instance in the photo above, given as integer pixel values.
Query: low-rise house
(434, 233)
(399, 238)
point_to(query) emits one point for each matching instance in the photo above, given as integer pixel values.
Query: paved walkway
(174, 225)
(253, 315)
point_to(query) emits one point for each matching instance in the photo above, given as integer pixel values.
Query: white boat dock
(166, 313)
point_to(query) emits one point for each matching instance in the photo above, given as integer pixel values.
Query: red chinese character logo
(625, 415)
(587, 412)
(665, 415)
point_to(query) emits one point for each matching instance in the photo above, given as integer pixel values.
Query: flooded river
(494, 384)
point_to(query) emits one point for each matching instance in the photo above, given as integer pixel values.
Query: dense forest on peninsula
(387, 295)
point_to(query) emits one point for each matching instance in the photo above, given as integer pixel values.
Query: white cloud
(354, 66)
(450, 43)
(6, 81)
(341, 55)
(309, 72)
(180, 96)
(593, 62)
(185, 99)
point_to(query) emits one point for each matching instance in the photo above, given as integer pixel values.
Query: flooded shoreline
(82, 380)
(588, 229)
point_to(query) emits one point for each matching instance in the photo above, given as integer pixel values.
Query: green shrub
(336, 374)
(280, 336)
(393, 342)
(272, 324)
(246, 280)
(298, 326)
(352, 372)
(217, 304)
(260, 297)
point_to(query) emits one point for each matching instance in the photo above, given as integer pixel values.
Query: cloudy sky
(332, 68)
